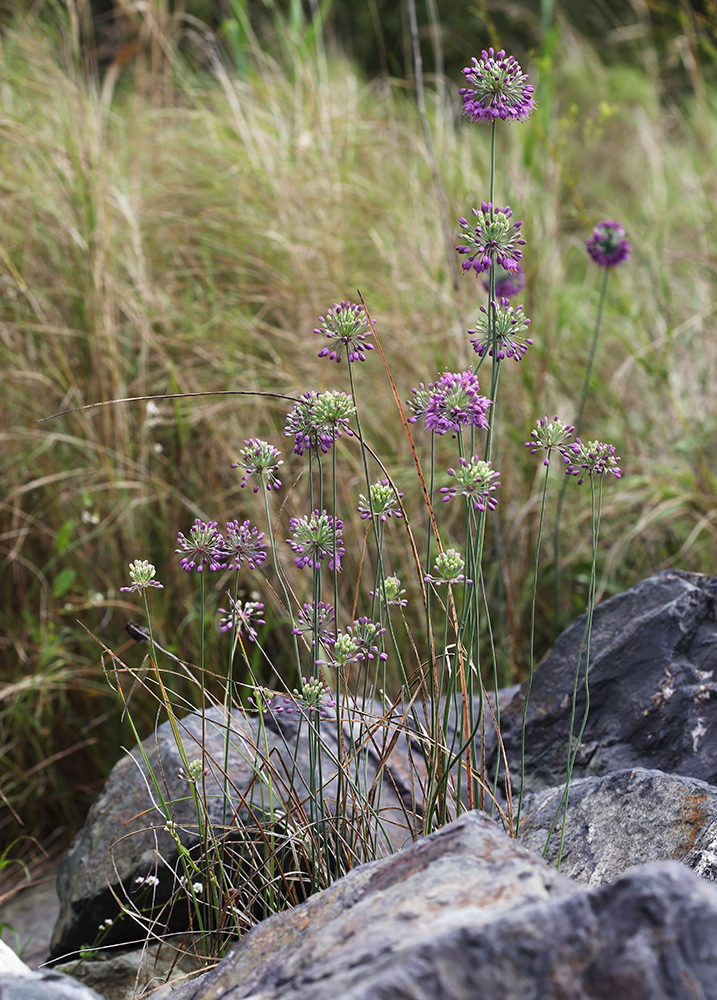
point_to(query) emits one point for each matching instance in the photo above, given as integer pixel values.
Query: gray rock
(653, 688)
(44, 985)
(469, 913)
(124, 837)
(622, 820)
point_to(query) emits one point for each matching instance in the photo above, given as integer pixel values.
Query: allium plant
(317, 537)
(507, 283)
(244, 542)
(475, 480)
(347, 328)
(242, 617)
(491, 238)
(261, 459)
(592, 458)
(365, 634)
(318, 619)
(390, 592)
(204, 547)
(382, 502)
(503, 325)
(608, 245)
(318, 419)
(549, 436)
(498, 88)
(141, 573)
(451, 403)
(448, 568)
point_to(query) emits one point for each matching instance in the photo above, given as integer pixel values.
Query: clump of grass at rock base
(188, 244)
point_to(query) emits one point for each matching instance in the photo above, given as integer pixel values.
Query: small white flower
(90, 517)
(198, 888)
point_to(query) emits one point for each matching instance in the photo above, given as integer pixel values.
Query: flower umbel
(204, 547)
(476, 480)
(448, 568)
(311, 695)
(347, 328)
(382, 502)
(365, 633)
(507, 327)
(318, 620)
(451, 403)
(507, 283)
(243, 616)
(313, 540)
(141, 573)
(591, 459)
(317, 419)
(346, 650)
(195, 773)
(548, 435)
(607, 246)
(492, 237)
(391, 593)
(498, 89)
(259, 458)
(244, 541)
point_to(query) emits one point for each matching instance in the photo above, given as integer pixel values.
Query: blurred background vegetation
(187, 186)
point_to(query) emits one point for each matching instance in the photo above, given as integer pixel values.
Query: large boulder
(125, 840)
(653, 689)
(622, 820)
(467, 912)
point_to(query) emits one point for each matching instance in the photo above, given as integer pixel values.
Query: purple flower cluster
(492, 237)
(549, 436)
(319, 620)
(382, 502)
(508, 323)
(364, 632)
(476, 480)
(507, 283)
(316, 538)
(347, 328)
(607, 246)
(590, 459)
(207, 547)
(243, 616)
(259, 458)
(243, 541)
(498, 89)
(318, 419)
(450, 403)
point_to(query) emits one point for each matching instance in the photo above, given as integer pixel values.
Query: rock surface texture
(653, 688)
(468, 913)
(622, 820)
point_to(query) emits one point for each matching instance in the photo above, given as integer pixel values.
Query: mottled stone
(468, 913)
(653, 688)
(44, 985)
(622, 820)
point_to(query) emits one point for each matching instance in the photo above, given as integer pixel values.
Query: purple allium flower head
(382, 501)
(313, 696)
(590, 459)
(607, 246)
(507, 283)
(448, 568)
(204, 547)
(451, 403)
(243, 541)
(141, 573)
(347, 328)
(261, 459)
(492, 237)
(390, 592)
(242, 616)
(346, 650)
(548, 435)
(476, 480)
(313, 540)
(318, 620)
(317, 419)
(365, 634)
(507, 326)
(498, 89)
